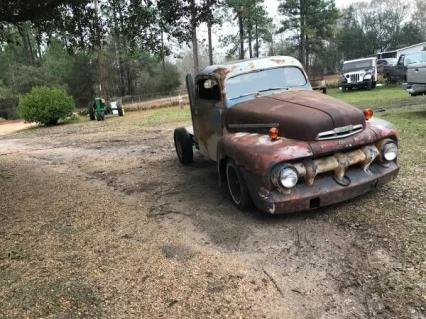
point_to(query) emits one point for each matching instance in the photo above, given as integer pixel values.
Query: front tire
(369, 85)
(237, 187)
(183, 145)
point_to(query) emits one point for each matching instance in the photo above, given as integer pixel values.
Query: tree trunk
(163, 60)
(257, 39)
(307, 53)
(23, 32)
(195, 50)
(118, 53)
(194, 38)
(209, 33)
(302, 33)
(250, 40)
(241, 25)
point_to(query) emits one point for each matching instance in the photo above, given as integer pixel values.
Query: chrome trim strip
(340, 132)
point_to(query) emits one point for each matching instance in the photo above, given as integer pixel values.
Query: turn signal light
(273, 133)
(368, 114)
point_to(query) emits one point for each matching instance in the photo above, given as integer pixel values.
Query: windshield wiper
(264, 90)
(242, 95)
(273, 89)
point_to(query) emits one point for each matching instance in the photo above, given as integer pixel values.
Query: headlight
(390, 151)
(288, 177)
(367, 76)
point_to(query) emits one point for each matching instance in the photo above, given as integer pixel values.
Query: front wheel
(237, 187)
(183, 145)
(369, 86)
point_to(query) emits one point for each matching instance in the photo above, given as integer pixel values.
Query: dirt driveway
(100, 220)
(7, 127)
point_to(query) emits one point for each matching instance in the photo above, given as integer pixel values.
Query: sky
(271, 7)
(228, 28)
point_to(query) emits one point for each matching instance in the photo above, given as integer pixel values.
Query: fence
(154, 100)
(133, 99)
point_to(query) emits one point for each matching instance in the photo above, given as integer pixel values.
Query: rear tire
(237, 187)
(100, 116)
(183, 145)
(92, 112)
(120, 110)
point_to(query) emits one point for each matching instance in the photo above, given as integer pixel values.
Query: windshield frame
(271, 89)
(372, 65)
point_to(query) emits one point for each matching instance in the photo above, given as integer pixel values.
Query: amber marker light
(368, 114)
(273, 133)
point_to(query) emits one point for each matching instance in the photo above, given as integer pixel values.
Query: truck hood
(300, 114)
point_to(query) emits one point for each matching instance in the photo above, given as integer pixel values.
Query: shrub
(45, 105)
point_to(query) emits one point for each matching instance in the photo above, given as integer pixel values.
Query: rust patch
(278, 61)
(221, 73)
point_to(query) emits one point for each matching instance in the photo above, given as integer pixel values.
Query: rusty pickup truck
(278, 144)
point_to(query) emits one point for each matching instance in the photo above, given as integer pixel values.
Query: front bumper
(356, 85)
(414, 88)
(324, 192)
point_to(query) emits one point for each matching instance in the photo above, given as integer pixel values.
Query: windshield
(366, 64)
(415, 58)
(264, 80)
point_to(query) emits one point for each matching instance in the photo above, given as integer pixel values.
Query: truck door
(209, 107)
(417, 73)
(401, 69)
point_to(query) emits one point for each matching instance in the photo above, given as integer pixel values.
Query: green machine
(99, 108)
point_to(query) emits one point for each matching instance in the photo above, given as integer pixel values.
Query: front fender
(257, 154)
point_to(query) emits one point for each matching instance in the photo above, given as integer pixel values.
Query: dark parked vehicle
(280, 145)
(398, 73)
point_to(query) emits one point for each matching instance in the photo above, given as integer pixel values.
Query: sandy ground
(7, 127)
(99, 220)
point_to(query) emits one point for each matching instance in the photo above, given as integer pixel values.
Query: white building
(396, 53)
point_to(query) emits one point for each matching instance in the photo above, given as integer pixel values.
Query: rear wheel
(183, 145)
(237, 187)
(100, 116)
(92, 112)
(120, 110)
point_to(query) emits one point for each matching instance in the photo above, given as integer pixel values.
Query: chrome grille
(355, 77)
(340, 132)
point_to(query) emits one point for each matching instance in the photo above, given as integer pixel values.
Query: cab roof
(231, 69)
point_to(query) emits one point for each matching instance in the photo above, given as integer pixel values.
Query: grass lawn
(379, 97)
